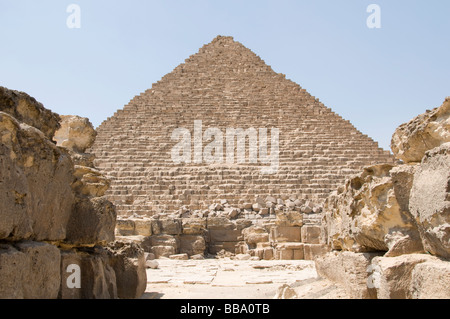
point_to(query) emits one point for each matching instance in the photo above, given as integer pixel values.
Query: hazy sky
(376, 78)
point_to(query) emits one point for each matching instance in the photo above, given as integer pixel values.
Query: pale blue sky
(376, 78)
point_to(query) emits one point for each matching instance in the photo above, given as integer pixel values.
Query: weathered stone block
(192, 244)
(170, 226)
(143, 227)
(30, 270)
(285, 234)
(194, 226)
(254, 234)
(36, 175)
(310, 234)
(411, 140)
(429, 202)
(350, 270)
(431, 280)
(92, 222)
(312, 251)
(128, 262)
(394, 275)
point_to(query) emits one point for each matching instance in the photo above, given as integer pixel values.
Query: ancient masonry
(225, 85)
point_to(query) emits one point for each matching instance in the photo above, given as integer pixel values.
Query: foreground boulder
(29, 270)
(414, 276)
(365, 215)
(128, 262)
(349, 269)
(26, 109)
(76, 133)
(426, 131)
(429, 202)
(36, 195)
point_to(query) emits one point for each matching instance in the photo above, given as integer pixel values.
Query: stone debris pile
(285, 229)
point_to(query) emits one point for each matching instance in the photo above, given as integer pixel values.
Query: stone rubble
(285, 233)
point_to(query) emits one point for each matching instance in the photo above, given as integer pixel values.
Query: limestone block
(285, 234)
(192, 244)
(143, 227)
(298, 254)
(27, 110)
(289, 218)
(219, 223)
(170, 226)
(366, 216)
(242, 223)
(394, 275)
(98, 278)
(255, 234)
(311, 234)
(30, 270)
(158, 240)
(90, 181)
(125, 227)
(312, 251)
(92, 222)
(429, 202)
(285, 254)
(10, 279)
(431, 280)
(128, 262)
(411, 140)
(350, 270)
(268, 253)
(194, 226)
(36, 197)
(76, 133)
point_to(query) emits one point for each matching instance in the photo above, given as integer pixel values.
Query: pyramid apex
(223, 38)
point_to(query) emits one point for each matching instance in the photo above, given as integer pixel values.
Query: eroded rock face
(29, 270)
(92, 222)
(366, 216)
(26, 109)
(349, 269)
(429, 202)
(36, 196)
(128, 262)
(76, 133)
(425, 132)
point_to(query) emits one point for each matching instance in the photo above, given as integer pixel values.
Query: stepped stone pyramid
(225, 85)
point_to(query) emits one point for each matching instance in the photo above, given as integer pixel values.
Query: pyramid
(225, 86)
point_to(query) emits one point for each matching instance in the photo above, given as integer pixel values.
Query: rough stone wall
(53, 214)
(266, 229)
(389, 226)
(226, 86)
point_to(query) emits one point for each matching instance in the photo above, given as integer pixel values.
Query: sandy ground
(237, 279)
